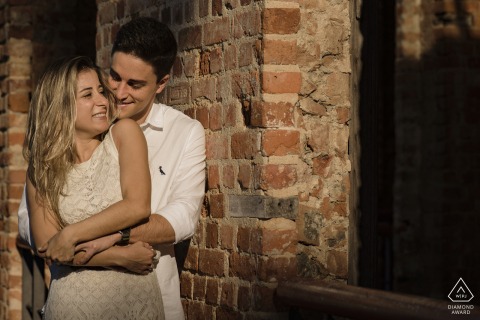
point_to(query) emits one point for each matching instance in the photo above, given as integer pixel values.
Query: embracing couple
(113, 181)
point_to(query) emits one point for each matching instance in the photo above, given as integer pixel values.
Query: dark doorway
(377, 137)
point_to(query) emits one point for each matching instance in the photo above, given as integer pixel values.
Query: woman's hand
(60, 248)
(138, 258)
(90, 248)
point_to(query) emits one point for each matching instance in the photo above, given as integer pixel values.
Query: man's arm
(178, 220)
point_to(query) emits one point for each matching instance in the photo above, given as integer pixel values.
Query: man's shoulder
(176, 118)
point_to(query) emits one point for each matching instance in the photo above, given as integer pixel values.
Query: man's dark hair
(150, 40)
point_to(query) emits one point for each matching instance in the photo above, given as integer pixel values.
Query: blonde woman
(87, 178)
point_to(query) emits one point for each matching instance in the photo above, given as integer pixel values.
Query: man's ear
(162, 83)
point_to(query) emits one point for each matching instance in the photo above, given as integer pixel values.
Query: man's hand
(93, 247)
(60, 248)
(138, 258)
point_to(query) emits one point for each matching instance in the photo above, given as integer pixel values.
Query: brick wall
(269, 81)
(438, 143)
(38, 31)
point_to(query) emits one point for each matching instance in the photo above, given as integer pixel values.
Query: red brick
(213, 177)
(263, 298)
(281, 82)
(178, 13)
(228, 314)
(217, 31)
(281, 20)
(217, 205)
(244, 298)
(243, 266)
(189, 11)
(228, 176)
(199, 287)
(186, 285)
(227, 237)
(279, 236)
(177, 69)
(15, 191)
(190, 38)
(16, 138)
(275, 176)
(274, 269)
(230, 59)
(246, 23)
(228, 295)
(337, 263)
(216, 147)
(216, 60)
(213, 291)
(191, 262)
(245, 84)
(204, 87)
(201, 115)
(244, 177)
(215, 117)
(203, 8)
(246, 54)
(217, 7)
(244, 145)
(343, 115)
(16, 176)
(18, 102)
(178, 93)
(198, 310)
(319, 138)
(280, 142)
(24, 85)
(310, 106)
(269, 114)
(204, 63)
(321, 165)
(282, 52)
(230, 115)
(211, 235)
(212, 262)
(12, 208)
(190, 62)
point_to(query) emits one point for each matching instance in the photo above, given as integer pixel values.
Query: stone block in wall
(260, 206)
(178, 94)
(309, 223)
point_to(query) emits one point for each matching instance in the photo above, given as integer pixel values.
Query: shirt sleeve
(188, 189)
(23, 221)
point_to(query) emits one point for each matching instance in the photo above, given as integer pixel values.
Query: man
(142, 56)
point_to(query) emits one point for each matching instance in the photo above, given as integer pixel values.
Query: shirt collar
(155, 118)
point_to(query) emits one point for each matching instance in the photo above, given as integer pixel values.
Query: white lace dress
(97, 293)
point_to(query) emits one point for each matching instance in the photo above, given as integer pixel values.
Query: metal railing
(362, 303)
(34, 290)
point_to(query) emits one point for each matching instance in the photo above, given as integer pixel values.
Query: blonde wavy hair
(49, 146)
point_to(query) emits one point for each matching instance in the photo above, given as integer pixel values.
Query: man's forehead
(130, 67)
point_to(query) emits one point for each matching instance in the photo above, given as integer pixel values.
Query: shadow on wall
(437, 207)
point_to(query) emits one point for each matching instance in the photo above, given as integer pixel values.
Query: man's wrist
(125, 237)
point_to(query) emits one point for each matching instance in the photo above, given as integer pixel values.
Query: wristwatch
(125, 233)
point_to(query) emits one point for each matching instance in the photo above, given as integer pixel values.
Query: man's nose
(121, 90)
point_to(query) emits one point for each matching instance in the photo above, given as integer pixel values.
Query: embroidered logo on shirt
(161, 171)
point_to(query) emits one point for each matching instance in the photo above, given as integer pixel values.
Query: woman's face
(91, 105)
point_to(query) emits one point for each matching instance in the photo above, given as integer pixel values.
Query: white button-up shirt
(176, 154)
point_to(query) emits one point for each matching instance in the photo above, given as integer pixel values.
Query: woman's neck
(85, 148)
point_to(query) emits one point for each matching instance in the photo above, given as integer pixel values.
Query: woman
(81, 173)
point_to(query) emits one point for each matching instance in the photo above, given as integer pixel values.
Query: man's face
(135, 85)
